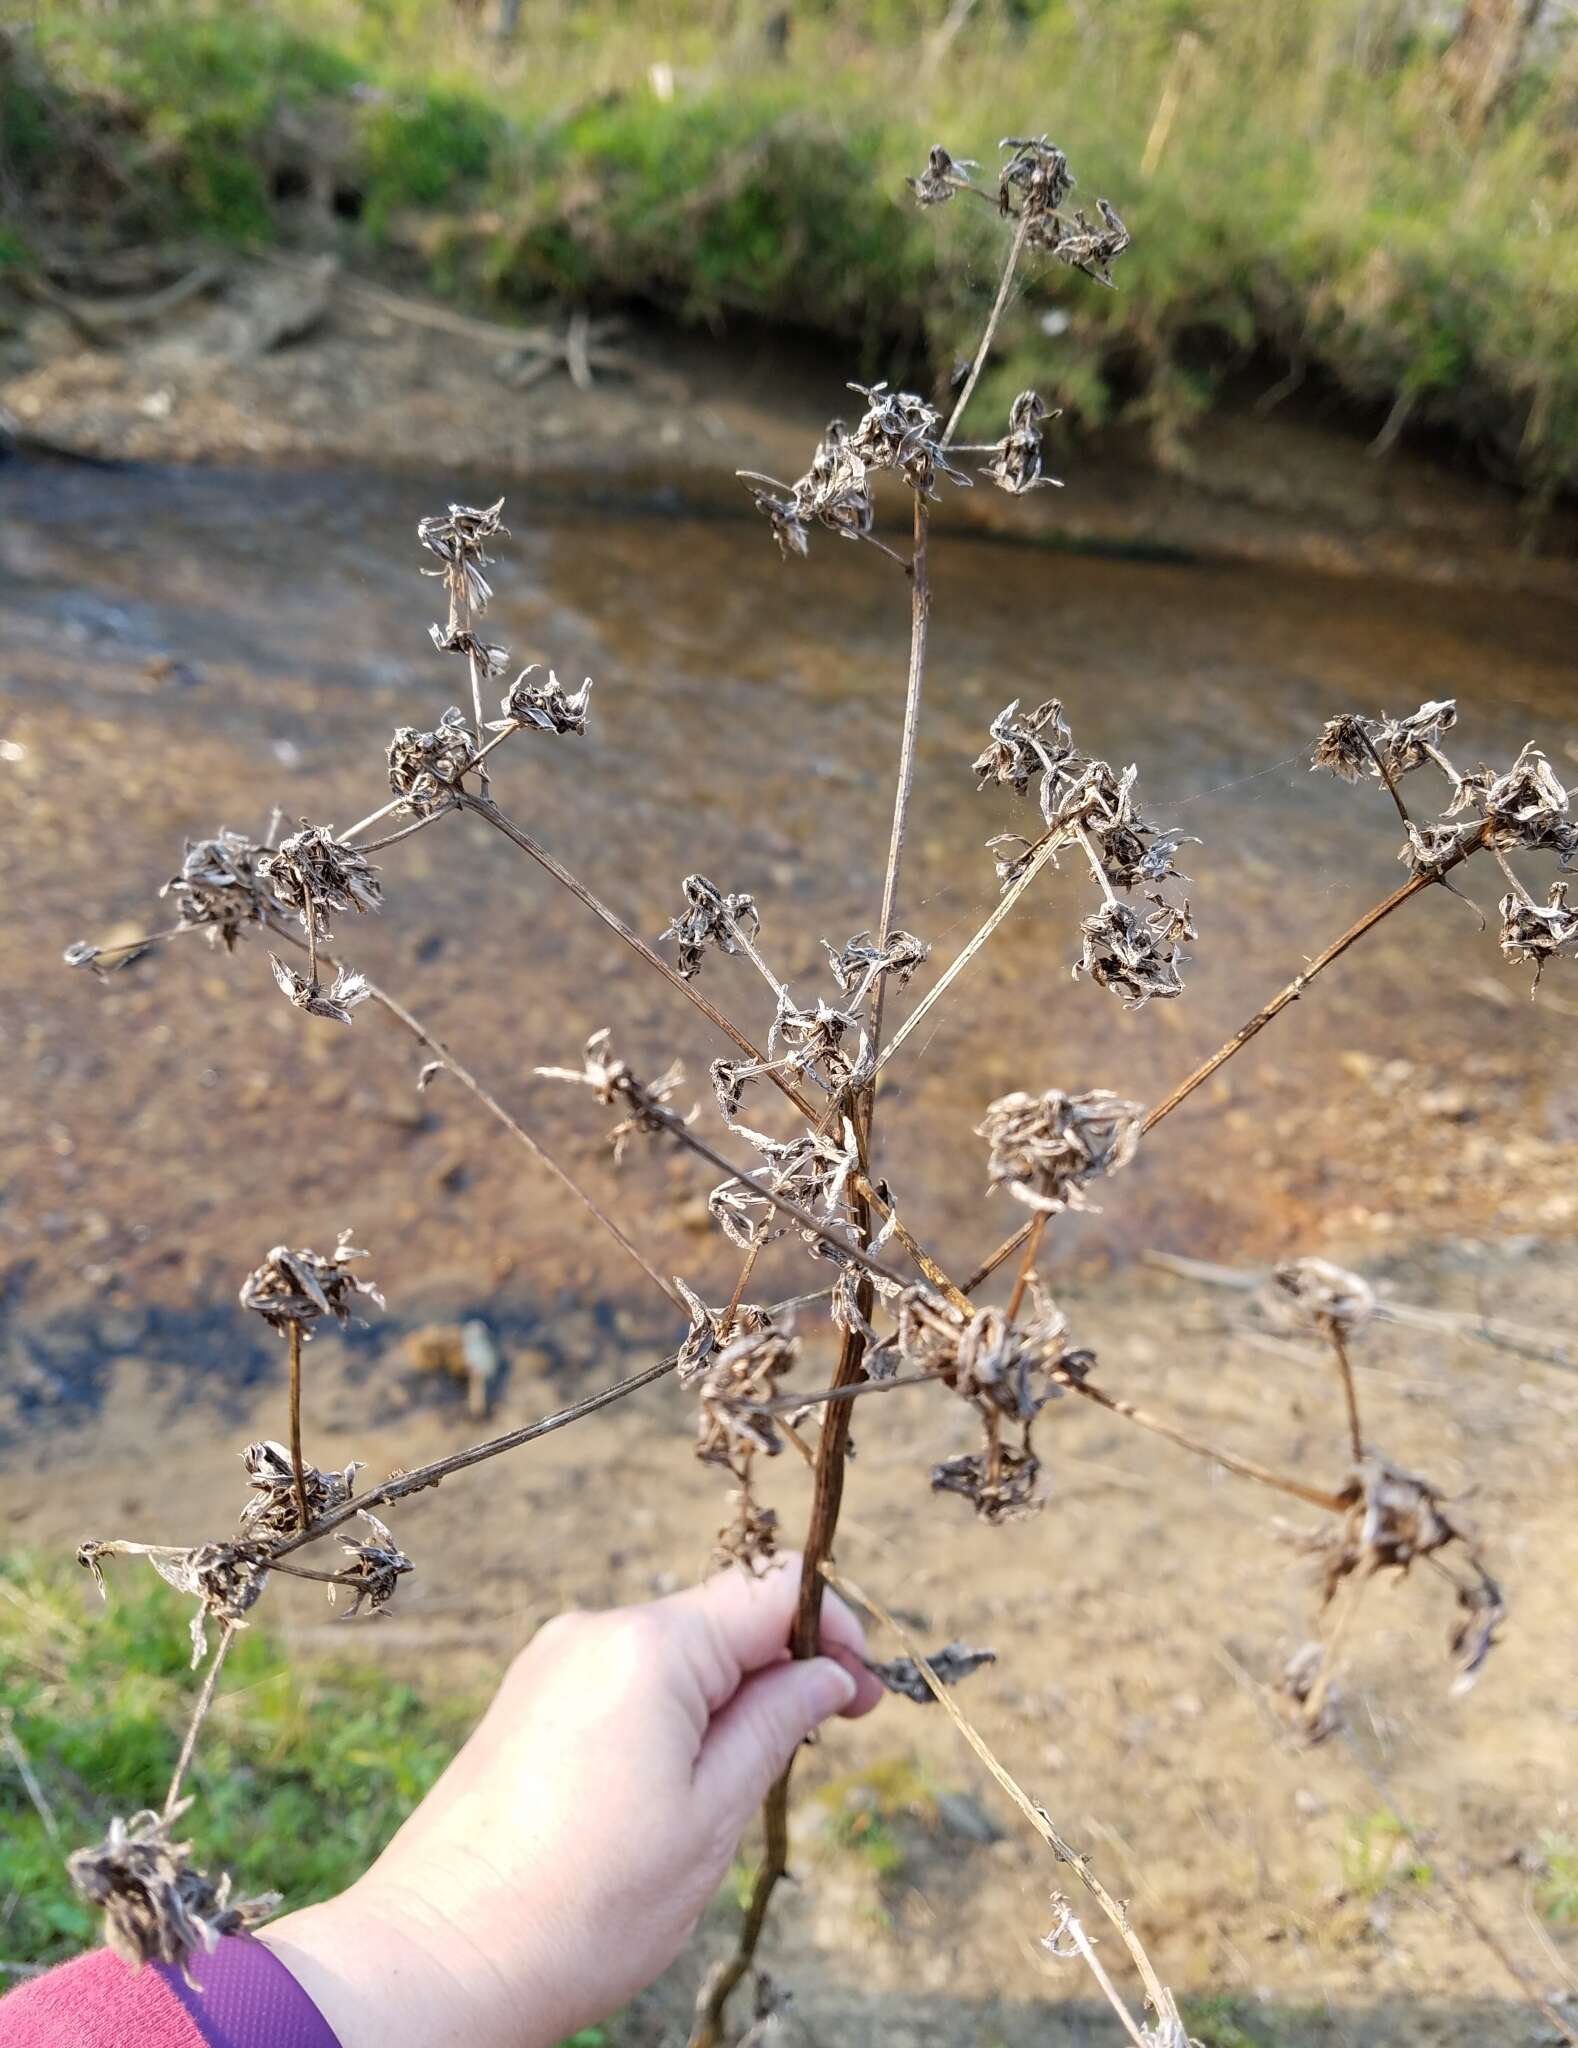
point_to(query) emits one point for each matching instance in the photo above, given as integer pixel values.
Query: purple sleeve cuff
(246, 1998)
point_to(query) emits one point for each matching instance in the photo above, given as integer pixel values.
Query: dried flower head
(1002, 1366)
(710, 1328)
(1320, 1293)
(226, 1579)
(1135, 953)
(1528, 807)
(273, 1509)
(1080, 243)
(835, 490)
(459, 539)
(612, 1082)
(749, 1538)
(1394, 1519)
(856, 966)
(812, 1170)
(942, 177)
(999, 1482)
(302, 1286)
(739, 1380)
(949, 1665)
(1092, 796)
(1431, 850)
(306, 992)
(377, 1565)
(316, 875)
(545, 706)
(427, 768)
(1046, 1149)
(1306, 1696)
(1538, 932)
(1352, 746)
(1477, 1628)
(490, 661)
(222, 886)
(814, 1042)
(786, 513)
(901, 432)
(156, 1906)
(1039, 743)
(709, 919)
(1036, 179)
(1015, 464)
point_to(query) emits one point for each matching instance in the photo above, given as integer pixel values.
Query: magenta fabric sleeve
(245, 1998)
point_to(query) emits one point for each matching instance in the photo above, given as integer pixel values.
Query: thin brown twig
(1159, 1997)
(298, 1473)
(1027, 1264)
(1350, 1394)
(194, 1726)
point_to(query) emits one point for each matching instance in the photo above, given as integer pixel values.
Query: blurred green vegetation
(303, 1773)
(1302, 185)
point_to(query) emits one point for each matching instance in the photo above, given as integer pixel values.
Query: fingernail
(831, 1687)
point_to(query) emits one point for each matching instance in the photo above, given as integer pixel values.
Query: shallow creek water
(182, 649)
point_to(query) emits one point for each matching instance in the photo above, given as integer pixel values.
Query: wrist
(386, 1973)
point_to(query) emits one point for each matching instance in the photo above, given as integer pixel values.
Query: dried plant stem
(990, 330)
(400, 1484)
(397, 803)
(785, 1404)
(293, 1336)
(194, 1726)
(1097, 1968)
(920, 618)
(1027, 1264)
(747, 946)
(24, 1770)
(1246, 1468)
(447, 1060)
(1041, 853)
(1160, 1998)
(1339, 1345)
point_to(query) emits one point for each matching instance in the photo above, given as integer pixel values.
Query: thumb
(754, 1736)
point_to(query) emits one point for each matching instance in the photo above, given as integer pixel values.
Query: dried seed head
(302, 1286)
(999, 1482)
(426, 768)
(316, 875)
(222, 886)
(544, 706)
(1538, 932)
(785, 511)
(1353, 747)
(1046, 1149)
(345, 992)
(811, 1170)
(1080, 244)
(1528, 807)
(1134, 953)
(955, 1661)
(710, 1328)
(739, 1380)
(1395, 1518)
(459, 540)
(709, 919)
(1432, 849)
(1036, 179)
(1327, 1296)
(901, 432)
(1039, 743)
(1306, 1698)
(226, 1579)
(376, 1567)
(1011, 856)
(1015, 464)
(814, 1042)
(942, 177)
(857, 966)
(273, 1508)
(1002, 1367)
(612, 1082)
(156, 1906)
(748, 1538)
(454, 639)
(1093, 797)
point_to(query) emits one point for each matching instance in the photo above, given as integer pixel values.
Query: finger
(739, 1622)
(759, 1730)
(869, 1691)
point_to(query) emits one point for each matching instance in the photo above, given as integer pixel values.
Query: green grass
(1556, 1892)
(1311, 197)
(302, 1776)
(1378, 1853)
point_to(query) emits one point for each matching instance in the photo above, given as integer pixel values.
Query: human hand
(564, 1859)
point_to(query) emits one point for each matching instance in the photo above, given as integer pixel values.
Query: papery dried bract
(226, 1579)
(544, 706)
(709, 918)
(1046, 1149)
(376, 1566)
(1538, 932)
(305, 992)
(316, 875)
(1135, 953)
(157, 1907)
(273, 1509)
(942, 177)
(1015, 464)
(427, 768)
(1037, 743)
(857, 966)
(459, 540)
(302, 1286)
(612, 1082)
(949, 1666)
(1000, 1485)
(222, 886)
